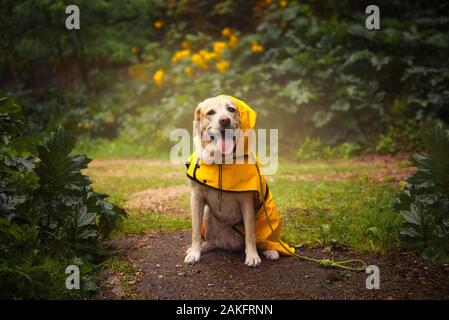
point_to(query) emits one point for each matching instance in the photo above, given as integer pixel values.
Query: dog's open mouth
(225, 141)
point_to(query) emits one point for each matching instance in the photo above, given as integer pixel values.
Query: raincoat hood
(247, 115)
(247, 121)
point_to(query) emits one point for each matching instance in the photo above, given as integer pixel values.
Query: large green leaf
(424, 203)
(57, 169)
(84, 218)
(412, 216)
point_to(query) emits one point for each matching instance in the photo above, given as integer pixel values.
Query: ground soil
(159, 273)
(160, 200)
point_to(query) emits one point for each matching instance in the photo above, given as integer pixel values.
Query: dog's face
(216, 122)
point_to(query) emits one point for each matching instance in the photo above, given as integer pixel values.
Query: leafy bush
(386, 144)
(50, 217)
(424, 202)
(310, 68)
(314, 149)
(402, 132)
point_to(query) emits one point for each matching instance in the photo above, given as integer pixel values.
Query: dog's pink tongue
(225, 145)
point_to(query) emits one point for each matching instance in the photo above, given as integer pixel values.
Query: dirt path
(161, 274)
(160, 200)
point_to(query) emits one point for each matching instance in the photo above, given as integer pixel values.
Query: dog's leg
(197, 204)
(252, 257)
(211, 229)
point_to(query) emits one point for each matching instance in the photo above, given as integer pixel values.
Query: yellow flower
(233, 40)
(206, 55)
(188, 71)
(211, 56)
(219, 46)
(158, 76)
(222, 66)
(226, 32)
(256, 47)
(158, 24)
(283, 3)
(134, 50)
(198, 60)
(179, 55)
(186, 44)
(203, 53)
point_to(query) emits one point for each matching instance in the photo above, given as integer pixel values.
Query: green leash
(326, 263)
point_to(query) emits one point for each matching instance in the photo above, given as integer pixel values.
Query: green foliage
(386, 144)
(402, 132)
(10, 120)
(424, 202)
(317, 70)
(310, 150)
(314, 149)
(50, 217)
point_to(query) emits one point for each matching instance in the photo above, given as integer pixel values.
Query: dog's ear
(197, 131)
(197, 115)
(196, 121)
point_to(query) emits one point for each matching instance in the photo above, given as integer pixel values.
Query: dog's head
(216, 124)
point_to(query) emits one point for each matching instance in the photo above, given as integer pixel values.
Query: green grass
(126, 270)
(120, 180)
(118, 148)
(120, 189)
(354, 211)
(141, 223)
(332, 167)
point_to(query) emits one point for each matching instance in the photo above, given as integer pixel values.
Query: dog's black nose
(226, 122)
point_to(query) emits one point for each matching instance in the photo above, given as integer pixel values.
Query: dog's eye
(210, 112)
(231, 109)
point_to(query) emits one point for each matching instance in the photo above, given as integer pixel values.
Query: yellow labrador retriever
(215, 117)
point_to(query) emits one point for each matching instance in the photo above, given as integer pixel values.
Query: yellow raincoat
(243, 178)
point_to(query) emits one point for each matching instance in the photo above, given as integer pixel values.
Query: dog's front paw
(192, 256)
(252, 260)
(271, 254)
